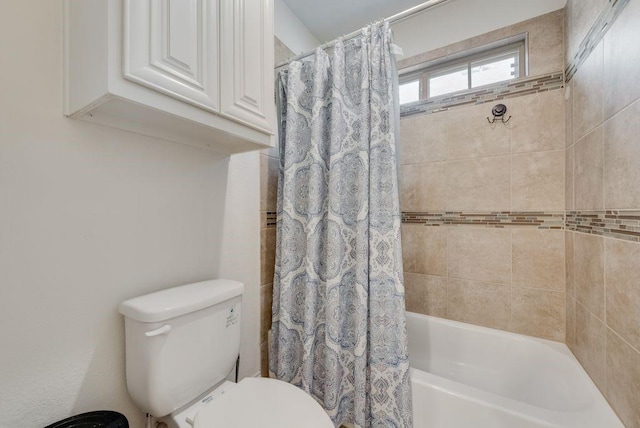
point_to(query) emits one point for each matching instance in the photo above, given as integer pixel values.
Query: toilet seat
(262, 402)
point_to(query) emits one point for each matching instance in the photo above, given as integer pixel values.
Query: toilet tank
(180, 342)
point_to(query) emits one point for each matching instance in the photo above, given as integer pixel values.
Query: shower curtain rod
(391, 20)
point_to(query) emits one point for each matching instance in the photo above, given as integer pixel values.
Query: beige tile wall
(580, 15)
(603, 172)
(456, 161)
(545, 44)
(268, 200)
(510, 279)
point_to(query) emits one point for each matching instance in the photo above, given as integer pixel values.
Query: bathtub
(465, 376)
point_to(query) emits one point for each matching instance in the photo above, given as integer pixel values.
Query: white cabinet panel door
(171, 46)
(247, 76)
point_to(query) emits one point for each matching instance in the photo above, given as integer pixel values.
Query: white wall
(291, 31)
(458, 20)
(90, 216)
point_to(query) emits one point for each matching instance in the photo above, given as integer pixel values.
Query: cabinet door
(247, 75)
(171, 46)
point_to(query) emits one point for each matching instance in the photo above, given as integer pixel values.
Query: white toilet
(182, 343)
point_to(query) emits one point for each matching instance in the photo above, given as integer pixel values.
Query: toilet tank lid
(177, 301)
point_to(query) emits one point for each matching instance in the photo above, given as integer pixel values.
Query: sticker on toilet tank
(232, 315)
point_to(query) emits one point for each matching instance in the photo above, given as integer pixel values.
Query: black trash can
(98, 419)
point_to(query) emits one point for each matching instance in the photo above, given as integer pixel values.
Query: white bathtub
(464, 376)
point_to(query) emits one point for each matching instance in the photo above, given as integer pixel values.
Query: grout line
(530, 287)
(481, 281)
(564, 252)
(606, 353)
(447, 252)
(510, 154)
(604, 166)
(627, 107)
(511, 256)
(589, 132)
(622, 339)
(604, 278)
(589, 311)
(604, 302)
(424, 274)
(510, 174)
(446, 281)
(573, 177)
(458, 160)
(512, 286)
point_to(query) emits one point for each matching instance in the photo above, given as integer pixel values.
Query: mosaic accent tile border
(613, 224)
(499, 91)
(610, 223)
(500, 219)
(271, 218)
(599, 28)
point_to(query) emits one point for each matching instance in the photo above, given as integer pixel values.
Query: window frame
(427, 72)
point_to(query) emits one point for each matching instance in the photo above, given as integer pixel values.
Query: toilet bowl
(253, 402)
(182, 343)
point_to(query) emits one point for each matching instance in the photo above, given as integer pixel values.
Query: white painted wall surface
(239, 256)
(291, 31)
(91, 216)
(459, 20)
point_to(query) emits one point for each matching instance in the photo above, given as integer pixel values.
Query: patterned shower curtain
(338, 327)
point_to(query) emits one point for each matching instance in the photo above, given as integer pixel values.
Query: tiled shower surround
(532, 226)
(603, 199)
(483, 204)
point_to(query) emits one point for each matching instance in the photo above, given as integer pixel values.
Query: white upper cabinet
(172, 46)
(198, 72)
(245, 95)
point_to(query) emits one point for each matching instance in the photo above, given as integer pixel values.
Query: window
(463, 74)
(448, 81)
(409, 91)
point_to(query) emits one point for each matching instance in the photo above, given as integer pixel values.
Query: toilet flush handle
(157, 332)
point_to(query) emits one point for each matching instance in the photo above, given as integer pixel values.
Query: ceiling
(329, 19)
